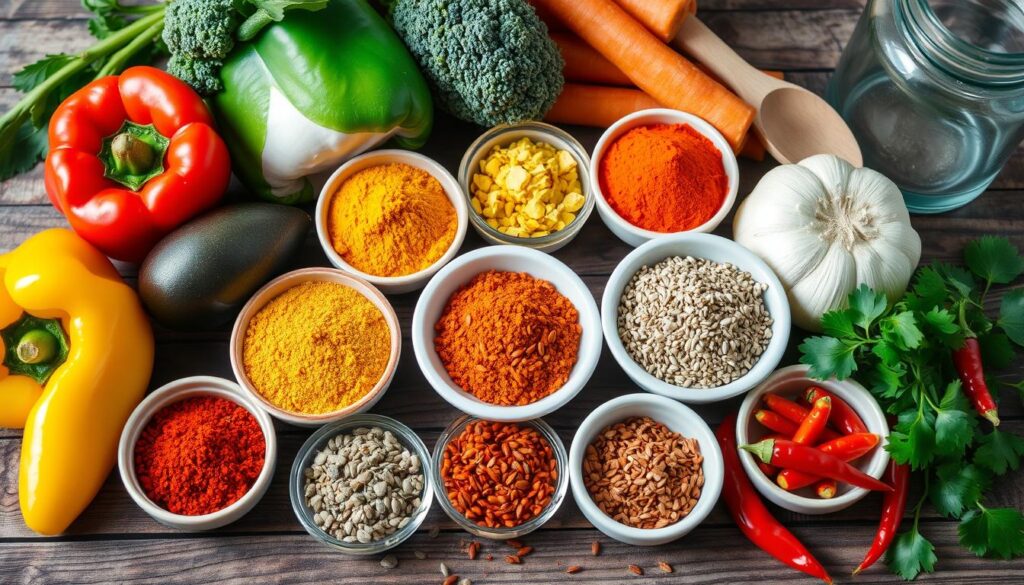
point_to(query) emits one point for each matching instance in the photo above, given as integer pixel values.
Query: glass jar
(934, 93)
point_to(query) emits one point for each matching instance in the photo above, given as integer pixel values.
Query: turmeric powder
(316, 348)
(391, 220)
(508, 338)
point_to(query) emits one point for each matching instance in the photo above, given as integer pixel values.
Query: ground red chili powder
(664, 177)
(199, 455)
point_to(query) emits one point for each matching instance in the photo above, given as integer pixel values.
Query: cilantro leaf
(901, 329)
(993, 532)
(930, 290)
(999, 451)
(996, 351)
(866, 306)
(912, 440)
(1011, 315)
(838, 324)
(910, 554)
(22, 145)
(958, 278)
(959, 487)
(954, 423)
(828, 357)
(994, 260)
(886, 381)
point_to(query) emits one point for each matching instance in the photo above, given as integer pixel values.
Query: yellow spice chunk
(527, 189)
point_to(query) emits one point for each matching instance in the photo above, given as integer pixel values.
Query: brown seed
(636, 570)
(513, 560)
(451, 580)
(474, 547)
(574, 569)
(595, 548)
(523, 551)
(514, 543)
(665, 567)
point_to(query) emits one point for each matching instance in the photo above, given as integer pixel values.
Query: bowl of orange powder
(392, 218)
(506, 333)
(315, 345)
(661, 171)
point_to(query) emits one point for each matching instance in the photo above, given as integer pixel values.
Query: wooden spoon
(793, 122)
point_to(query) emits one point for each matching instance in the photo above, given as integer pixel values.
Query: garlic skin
(826, 227)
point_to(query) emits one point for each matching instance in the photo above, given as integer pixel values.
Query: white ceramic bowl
(629, 233)
(713, 248)
(511, 259)
(408, 282)
(678, 418)
(174, 392)
(505, 134)
(791, 382)
(277, 286)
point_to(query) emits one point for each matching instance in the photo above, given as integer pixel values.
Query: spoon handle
(698, 41)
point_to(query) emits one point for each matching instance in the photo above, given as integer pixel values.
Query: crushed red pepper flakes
(574, 569)
(636, 570)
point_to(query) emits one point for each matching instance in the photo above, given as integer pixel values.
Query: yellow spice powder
(391, 220)
(316, 348)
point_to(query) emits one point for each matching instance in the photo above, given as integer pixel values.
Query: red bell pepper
(131, 158)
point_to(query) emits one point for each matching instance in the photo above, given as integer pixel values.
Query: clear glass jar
(934, 92)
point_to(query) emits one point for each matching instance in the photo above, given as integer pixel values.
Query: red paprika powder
(664, 177)
(199, 455)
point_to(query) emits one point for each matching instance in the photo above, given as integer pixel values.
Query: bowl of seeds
(362, 485)
(645, 469)
(695, 317)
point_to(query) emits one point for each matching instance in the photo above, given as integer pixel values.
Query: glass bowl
(309, 449)
(504, 134)
(561, 486)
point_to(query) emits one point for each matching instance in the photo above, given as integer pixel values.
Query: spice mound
(527, 189)
(693, 322)
(316, 348)
(664, 177)
(199, 455)
(499, 475)
(642, 474)
(508, 338)
(364, 486)
(391, 220)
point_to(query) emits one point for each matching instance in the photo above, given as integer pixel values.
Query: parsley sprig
(902, 352)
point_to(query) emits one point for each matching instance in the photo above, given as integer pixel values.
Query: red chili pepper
(972, 375)
(769, 470)
(814, 423)
(790, 455)
(131, 158)
(773, 421)
(847, 448)
(787, 408)
(843, 417)
(826, 489)
(893, 505)
(752, 516)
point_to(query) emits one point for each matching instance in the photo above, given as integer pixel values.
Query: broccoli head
(200, 29)
(488, 61)
(202, 74)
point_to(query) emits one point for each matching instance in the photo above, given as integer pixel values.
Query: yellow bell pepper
(78, 353)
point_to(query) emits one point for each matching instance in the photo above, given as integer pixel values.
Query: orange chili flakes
(499, 475)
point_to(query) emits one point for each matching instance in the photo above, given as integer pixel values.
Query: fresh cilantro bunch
(903, 354)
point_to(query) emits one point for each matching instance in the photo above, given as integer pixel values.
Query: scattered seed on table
(694, 323)
(465, 581)
(513, 560)
(451, 580)
(444, 570)
(574, 569)
(420, 555)
(636, 570)
(489, 557)
(474, 547)
(524, 550)
(595, 548)
(514, 543)
(389, 562)
(434, 531)
(665, 567)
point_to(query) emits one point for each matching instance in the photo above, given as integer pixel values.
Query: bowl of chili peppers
(197, 454)
(790, 419)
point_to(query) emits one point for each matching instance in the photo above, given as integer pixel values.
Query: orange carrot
(597, 105)
(653, 66)
(661, 17)
(585, 65)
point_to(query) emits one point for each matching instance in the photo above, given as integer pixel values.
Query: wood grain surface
(116, 542)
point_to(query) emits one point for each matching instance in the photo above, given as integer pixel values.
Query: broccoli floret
(200, 29)
(202, 74)
(488, 61)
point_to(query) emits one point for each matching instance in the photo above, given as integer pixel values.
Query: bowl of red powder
(661, 171)
(197, 454)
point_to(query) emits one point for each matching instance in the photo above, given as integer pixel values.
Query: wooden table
(114, 541)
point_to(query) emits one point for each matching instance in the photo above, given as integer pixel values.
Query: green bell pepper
(314, 90)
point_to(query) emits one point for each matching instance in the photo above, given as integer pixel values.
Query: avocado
(200, 275)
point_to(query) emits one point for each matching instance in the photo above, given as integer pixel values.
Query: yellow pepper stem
(36, 347)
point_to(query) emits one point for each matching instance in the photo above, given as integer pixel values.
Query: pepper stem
(36, 347)
(131, 155)
(134, 154)
(762, 450)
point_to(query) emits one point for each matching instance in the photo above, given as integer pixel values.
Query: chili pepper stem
(36, 347)
(762, 450)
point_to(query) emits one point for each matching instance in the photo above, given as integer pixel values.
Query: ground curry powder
(316, 348)
(391, 220)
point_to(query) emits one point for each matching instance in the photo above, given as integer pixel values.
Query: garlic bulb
(825, 227)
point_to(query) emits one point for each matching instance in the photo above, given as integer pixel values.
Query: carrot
(585, 65)
(753, 148)
(653, 66)
(661, 17)
(597, 105)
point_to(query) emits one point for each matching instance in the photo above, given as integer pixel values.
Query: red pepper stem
(762, 450)
(134, 154)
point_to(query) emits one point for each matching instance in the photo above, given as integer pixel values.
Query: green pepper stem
(762, 450)
(36, 347)
(131, 154)
(253, 25)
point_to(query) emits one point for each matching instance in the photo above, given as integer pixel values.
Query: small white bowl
(626, 231)
(408, 282)
(712, 248)
(791, 382)
(678, 418)
(177, 391)
(435, 297)
(505, 134)
(277, 286)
